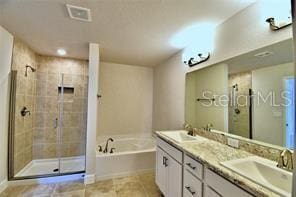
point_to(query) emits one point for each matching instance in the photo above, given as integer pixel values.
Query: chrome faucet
(208, 127)
(106, 147)
(189, 129)
(286, 160)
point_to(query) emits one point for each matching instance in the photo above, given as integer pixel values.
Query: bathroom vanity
(187, 167)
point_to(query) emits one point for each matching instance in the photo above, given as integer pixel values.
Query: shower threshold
(51, 166)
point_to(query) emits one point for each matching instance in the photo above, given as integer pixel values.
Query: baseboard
(3, 185)
(123, 174)
(89, 179)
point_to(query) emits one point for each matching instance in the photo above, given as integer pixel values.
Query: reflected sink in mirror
(264, 172)
(181, 136)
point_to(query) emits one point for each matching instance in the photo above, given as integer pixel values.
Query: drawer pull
(189, 189)
(190, 166)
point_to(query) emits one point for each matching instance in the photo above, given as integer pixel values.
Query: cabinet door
(161, 170)
(174, 178)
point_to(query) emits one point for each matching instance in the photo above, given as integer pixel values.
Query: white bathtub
(131, 155)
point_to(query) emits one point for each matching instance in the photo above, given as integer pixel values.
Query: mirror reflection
(251, 95)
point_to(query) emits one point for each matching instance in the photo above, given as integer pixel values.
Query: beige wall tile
(35, 136)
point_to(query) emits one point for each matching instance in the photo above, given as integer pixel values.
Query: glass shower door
(72, 129)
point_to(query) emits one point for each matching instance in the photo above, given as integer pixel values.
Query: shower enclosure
(240, 104)
(47, 126)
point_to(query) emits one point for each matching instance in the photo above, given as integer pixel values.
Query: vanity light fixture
(274, 27)
(193, 62)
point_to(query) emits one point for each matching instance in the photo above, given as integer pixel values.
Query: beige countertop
(211, 153)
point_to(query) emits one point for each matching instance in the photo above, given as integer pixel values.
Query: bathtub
(131, 156)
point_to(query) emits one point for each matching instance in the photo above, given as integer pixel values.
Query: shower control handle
(25, 111)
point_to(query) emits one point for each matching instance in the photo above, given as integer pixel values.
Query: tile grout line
(144, 188)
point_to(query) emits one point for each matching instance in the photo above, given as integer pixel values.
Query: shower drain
(56, 170)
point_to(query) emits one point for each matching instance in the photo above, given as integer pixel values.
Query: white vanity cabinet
(202, 182)
(168, 169)
(178, 175)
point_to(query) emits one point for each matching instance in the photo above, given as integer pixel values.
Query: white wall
(269, 120)
(240, 34)
(92, 112)
(126, 103)
(214, 80)
(6, 44)
(169, 94)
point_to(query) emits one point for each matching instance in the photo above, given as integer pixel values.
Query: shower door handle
(55, 123)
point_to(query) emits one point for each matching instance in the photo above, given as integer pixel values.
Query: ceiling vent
(263, 54)
(79, 13)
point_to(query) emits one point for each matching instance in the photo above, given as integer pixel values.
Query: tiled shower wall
(239, 123)
(25, 96)
(49, 79)
(35, 135)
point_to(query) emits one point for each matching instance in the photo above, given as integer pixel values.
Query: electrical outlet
(233, 142)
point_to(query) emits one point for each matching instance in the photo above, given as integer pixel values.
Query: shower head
(32, 69)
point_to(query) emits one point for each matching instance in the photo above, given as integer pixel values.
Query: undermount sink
(264, 172)
(181, 136)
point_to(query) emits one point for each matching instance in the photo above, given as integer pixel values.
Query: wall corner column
(92, 113)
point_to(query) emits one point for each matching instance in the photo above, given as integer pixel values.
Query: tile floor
(141, 185)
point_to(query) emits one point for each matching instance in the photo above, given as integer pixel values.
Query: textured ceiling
(136, 32)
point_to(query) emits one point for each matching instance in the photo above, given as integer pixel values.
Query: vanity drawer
(210, 193)
(169, 149)
(192, 187)
(223, 186)
(193, 166)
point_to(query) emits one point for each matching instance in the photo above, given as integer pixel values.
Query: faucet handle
(187, 126)
(281, 163)
(286, 160)
(112, 150)
(100, 148)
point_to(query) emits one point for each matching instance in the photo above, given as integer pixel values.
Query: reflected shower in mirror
(251, 95)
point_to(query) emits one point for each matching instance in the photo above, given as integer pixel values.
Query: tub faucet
(106, 147)
(286, 160)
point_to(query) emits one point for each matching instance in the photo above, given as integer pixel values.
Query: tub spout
(106, 147)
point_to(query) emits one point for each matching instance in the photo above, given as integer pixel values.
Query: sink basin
(264, 172)
(181, 136)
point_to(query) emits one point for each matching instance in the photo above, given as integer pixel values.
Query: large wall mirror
(251, 95)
